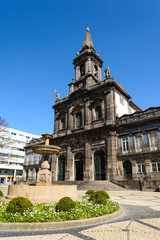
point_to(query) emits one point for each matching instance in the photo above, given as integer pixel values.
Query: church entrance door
(127, 168)
(61, 168)
(99, 166)
(78, 167)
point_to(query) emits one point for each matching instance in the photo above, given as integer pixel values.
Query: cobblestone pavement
(140, 221)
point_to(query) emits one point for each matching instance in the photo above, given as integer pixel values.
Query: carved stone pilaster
(88, 167)
(69, 167)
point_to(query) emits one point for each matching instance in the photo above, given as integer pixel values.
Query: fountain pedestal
(44, 175)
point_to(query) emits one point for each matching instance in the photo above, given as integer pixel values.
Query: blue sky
(39, 40)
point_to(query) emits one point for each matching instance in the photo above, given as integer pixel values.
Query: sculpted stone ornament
(107, 73)
(57, 96)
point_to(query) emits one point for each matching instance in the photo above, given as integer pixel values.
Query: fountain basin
(43, 193)
(46, 149)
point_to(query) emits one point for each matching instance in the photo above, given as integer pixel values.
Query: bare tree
(3, 122)
(5, 138)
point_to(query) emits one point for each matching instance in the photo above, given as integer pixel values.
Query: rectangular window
(145, 138)
(138, 143)
(131, 141)
(153, 141)
(141, 168)
(125, 145)
(154, 167)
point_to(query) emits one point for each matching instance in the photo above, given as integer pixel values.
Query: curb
(58, 225)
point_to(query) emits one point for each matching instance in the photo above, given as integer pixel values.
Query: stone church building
(103, 135)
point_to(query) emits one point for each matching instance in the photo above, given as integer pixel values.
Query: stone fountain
(44, 175)
(44, 191)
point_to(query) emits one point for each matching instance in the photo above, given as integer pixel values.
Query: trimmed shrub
(90, 192)
(19, 204)
(1, 193)
(65, 204)
(103, 193)
(98, 198)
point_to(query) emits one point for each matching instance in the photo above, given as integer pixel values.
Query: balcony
(139, 151)
(153, 112)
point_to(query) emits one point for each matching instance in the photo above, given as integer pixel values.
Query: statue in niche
(107, 73)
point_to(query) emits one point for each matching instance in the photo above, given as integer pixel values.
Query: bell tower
(87, 64)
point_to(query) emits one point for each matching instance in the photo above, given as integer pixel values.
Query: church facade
(103, 135)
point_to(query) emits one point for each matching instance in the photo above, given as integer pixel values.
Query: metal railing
(142, 150)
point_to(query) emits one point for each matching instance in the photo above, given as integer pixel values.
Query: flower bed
(46, 212)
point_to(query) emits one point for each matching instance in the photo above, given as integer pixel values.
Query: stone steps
(95, 185)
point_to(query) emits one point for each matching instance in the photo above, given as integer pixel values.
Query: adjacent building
(12, 153)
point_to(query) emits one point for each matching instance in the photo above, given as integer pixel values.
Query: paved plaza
(140, 220)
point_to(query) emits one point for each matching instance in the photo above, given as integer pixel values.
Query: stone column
(69, 167)
(103, 110)
(29, 173)
(134, 170)
(77, 73)
(110, 107)
(34, 173)
(55, 123)
(148, 168)
(83, 114)
(120, 170)
(89, 65)
(87, 114)
(99, 73)
(88, 164)
(112, 155)
(54, 167)
(86, 66)
(70, 120)
(24, 174)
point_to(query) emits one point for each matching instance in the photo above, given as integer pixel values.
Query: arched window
(82, 69)
(156, 165)
(95, 71)
(62, 123)
(78, 120)
(127, 168)
(98, 112)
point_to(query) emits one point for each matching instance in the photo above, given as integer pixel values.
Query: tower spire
(87, 40)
